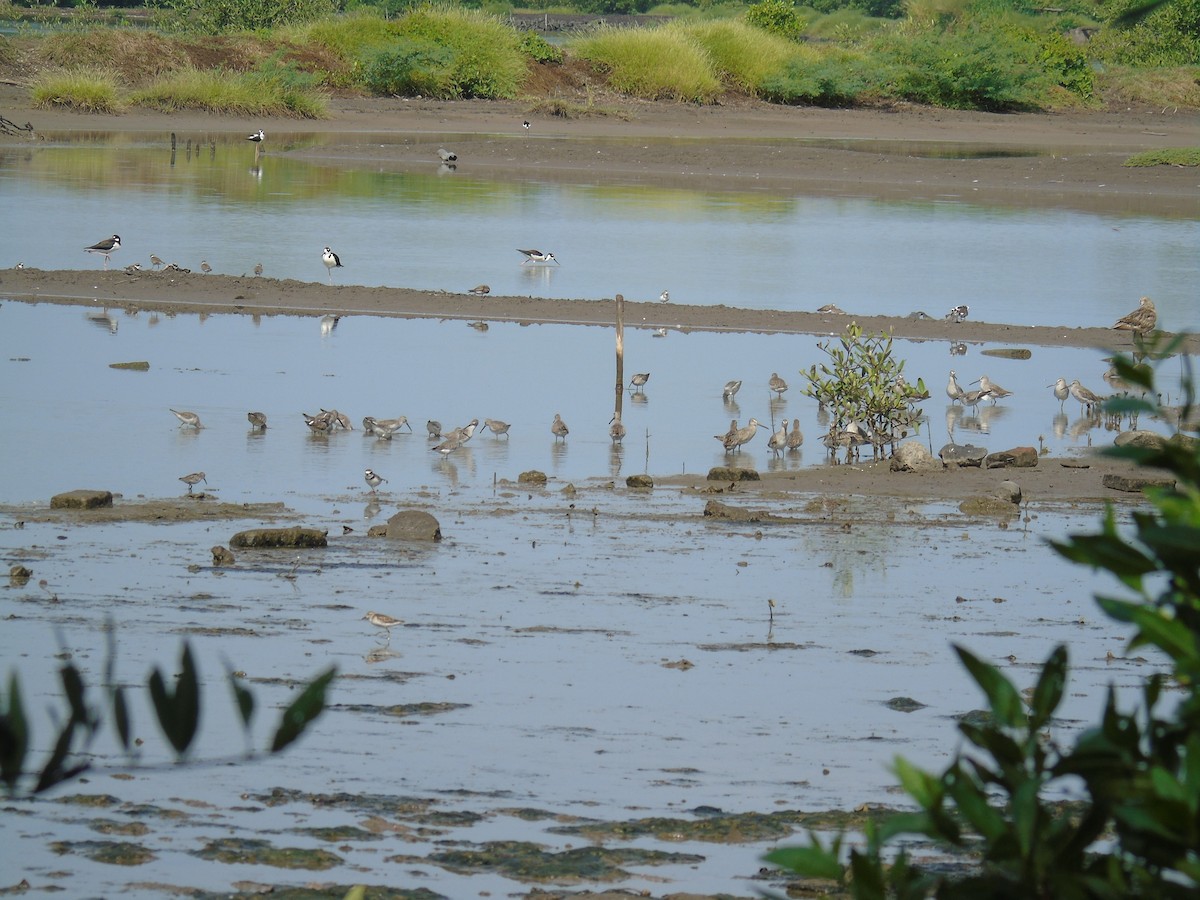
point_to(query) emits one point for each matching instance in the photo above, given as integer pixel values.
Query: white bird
(108, 247)
(537, 256)
(332, 261)
(664, 297)
(258, 137)
(447, 156)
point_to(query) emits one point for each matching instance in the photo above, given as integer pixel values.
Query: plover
(258, 269)
(205, 267)
(192, 480)
(257, 420)
(332, 261)
(108, 247)
(1141, 321)
(638, 381)
(958, 313)
(537, 256)
(616, 430)
(559, 428)
(156, 261)
(480, 290)
(387, 623)
(373, 481)
(258, 137)
(133, 268)
(777, 384)
(187, 418)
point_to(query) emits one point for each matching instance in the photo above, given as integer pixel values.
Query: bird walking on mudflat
(107, 247)
(958, 313)
(387, 623)
(1141, 321)
(373, 480)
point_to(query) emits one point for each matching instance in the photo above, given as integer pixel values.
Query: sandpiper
(332, 261)
(616, 430)
(664, 297)
(993, 390)
(1141, 321)
(559, 428)
(638, 381)
(731, 389)
(156, 261)
(108, 247)
(463, 433)
(953, 390)
(795, 437)
(742, 436)
(447, 447)
(777, 442)
(192, 480)
(973, 398)
(258, 269)
(537, 256)
(373, 480)
(497, 427)
(257, 420)
(447, 156)
(434, 427)
(1085, 397)
(258, 137)
(387, 623)
(777, 384)
(1061, 391)
(480, 290)
(831, 309)
(205, 267)
(958, 313)
(187, 418)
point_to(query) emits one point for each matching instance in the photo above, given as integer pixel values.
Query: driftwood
(7, 126)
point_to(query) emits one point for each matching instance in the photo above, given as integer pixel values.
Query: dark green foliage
(1147, 35)
(1136, 833)
(777, 17)
(539, 49)
(830, 81)
(881, 9)
(407, 68)
(612, 7)
(215, 16)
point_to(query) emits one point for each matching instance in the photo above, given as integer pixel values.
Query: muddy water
(605, 656)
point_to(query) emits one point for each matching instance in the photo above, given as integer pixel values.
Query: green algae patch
(739, 828)
(313, 892)
(112, 853)
(402, 710)
(263, 853)
(529, 862)
(339, 834)
(113, 826)
(91, 800)
(140, 365)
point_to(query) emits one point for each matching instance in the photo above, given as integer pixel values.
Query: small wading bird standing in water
(537, 256)
(387, 623)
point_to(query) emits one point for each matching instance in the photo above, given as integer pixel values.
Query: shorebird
(133, 268)
(777, 384)
(156, 261)
(338, 419)
(664, 297)
(537, 256)
(384, 428)
(559, 428)
(795, 437)
(329, 323)
(973, 398)
(321, 424)
(993, 390)
(480, 290)
(958, 313)
(777, 442)
(731, 389)
(462, 434)
(526, 125)
(447, 447)
(616, 430)
(742, 436)
(332, 261)
(447, 156)
(659, 332)
(1061, 391)
(638, 382)
(831, 308)
(373, 480)
(108, 247)
(728, 435)
(387, 623)
(258, 137)
(187, 418)
(192, 480)
(953, 390)
(257, 420)
(434, 427)
(205, 267)
(1084, 396)
(497, 427)
(258, 269)
(1141, 321)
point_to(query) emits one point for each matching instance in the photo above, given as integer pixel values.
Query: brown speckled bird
(1141, 321)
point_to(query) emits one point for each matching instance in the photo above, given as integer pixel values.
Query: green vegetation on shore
(236, 56)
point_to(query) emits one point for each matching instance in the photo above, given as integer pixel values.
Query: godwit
(777, 442)
(742, 436)
(616, 430)
(1141, 321)
(777, 384)
(187, 418)
(795, 437)
(728, 436)
(559, 428)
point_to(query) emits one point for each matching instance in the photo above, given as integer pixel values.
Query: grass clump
(274, 89)
(652, 63)
(134, 54)
(1165, 88)
(741, 55)
(1171, 156)
(826, 77)
(84, 90)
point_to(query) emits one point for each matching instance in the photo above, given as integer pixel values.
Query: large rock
(413, 525)
(533, 476)
(988, 506)
(1146, 440)
(962, 455)
(1134, 483)
(279, 537)
(732, 473)
(913, 456)
(715, 509)
(639, 481)
(1016, 458)
(81, 499)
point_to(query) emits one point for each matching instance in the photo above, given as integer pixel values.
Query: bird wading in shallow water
(187, 418)
(192, 480)
(777, 384)
(107, 247)
(638, 381)
(258, 137)
(387, 623)
(1061, 391)
(373, 481)
(537, 256)
(257, 420)
(559, 428)
(616, 430)
(332, 261)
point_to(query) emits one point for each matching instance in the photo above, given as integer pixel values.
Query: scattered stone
(1008, 491)
(1145, 440)
(140, 366)
(377, 531)
(904, 704)
(715, 509)
(1134, 483)
(913, 456)
(1186, 441)
(19, 575)
(732, 473)
(413, 525)
(1008, 352)
(279, 537)
(639, 481)
(222, 556)
(962, 455)
(1016, 458)
(1074, 464)
(570, 491)
(81, 499)
(988, 506)
(533, 476)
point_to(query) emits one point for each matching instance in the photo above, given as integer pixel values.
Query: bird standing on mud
(1141, 321)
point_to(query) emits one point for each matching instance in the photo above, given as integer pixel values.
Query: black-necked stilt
(187, 418)
(108, 247)
(258, 137)
(1141, 321)
(480, 290)
(373, 481)
(958, 313)
(447, 156)
(332, 261)
(526, 125)
(192, 480)
(537, 256)
(559, 428)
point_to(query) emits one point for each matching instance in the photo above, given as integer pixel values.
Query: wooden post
(620, 389)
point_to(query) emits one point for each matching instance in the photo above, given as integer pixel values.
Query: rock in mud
(715, 509)
(732, 473)
(139, 366)
(81, 499)
(19, 575)
(1134, 483)
(1009, 492)
(1145, 440)
(639, 481)
(988, 506)
(962, 455)
(1186, 441)
(904, 704)
(222, 556)
(913, 456)
(279, 537)
(1016, 458)
(533, 476)
(413, 525)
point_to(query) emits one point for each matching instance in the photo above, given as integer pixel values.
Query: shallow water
(400, 221)
(551, 619)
